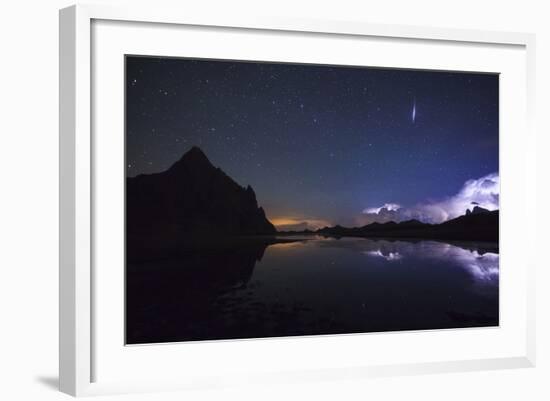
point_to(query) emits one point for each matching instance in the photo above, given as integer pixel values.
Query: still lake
(313, 285)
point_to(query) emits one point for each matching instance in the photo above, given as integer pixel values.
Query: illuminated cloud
(387, 206)
(482, 192)
(381, 214)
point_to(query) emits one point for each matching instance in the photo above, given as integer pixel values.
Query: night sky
(319, 144)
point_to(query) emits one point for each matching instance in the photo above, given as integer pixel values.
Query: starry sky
(319, 144)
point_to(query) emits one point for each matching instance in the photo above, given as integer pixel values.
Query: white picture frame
(77, 367)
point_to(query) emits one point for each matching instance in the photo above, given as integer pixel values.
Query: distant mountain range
(476, 225)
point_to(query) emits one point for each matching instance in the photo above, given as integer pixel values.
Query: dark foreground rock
(192, 198)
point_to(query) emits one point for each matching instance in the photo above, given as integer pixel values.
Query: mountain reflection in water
(313, 285)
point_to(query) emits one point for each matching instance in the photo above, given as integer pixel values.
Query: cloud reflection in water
(389, 256)
(482, 265)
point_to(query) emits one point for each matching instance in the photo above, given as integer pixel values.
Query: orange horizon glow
(289, 221)
(286, 245)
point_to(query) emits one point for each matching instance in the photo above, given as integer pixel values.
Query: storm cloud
(483, 192)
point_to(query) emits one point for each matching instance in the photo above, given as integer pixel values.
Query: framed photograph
(272, 200)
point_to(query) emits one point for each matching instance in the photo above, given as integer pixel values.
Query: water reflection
(483, 264)
(310, 286)
(389, 256)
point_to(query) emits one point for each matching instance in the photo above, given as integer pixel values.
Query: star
(361, 121)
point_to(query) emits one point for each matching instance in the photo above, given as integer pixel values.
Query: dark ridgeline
(190, 199)
(476, 210)
(193, 197)
(476, 225)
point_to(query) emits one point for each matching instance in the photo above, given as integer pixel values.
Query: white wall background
(29, 185)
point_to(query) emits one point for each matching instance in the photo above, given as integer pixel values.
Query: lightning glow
(482, 192)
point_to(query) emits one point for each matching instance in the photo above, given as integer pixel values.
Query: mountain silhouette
(478, 225)
(476, 210)
(192, 198)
